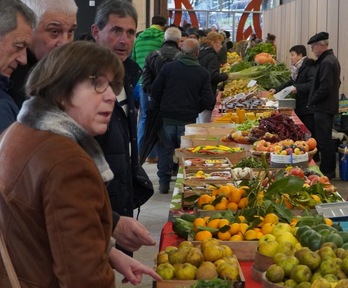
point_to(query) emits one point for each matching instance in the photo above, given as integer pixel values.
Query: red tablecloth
(169, 238)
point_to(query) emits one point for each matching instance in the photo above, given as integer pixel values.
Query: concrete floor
(154, 215)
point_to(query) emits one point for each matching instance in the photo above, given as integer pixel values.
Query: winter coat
(303, 83)
(149, 40)
(155, 60)
(182, 90)
(8, 108)
(325, 89)
(55, 213)
(116, 143)
(208, 59)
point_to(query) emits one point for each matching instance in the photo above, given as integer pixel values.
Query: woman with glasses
(55, 213)
(208, 58)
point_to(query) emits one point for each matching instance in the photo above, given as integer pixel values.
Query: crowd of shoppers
(62, 102)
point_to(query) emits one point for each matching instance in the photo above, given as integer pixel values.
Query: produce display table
(168, 238)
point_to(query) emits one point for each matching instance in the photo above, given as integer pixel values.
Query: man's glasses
(101, 84)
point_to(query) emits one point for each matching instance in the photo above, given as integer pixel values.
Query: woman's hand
(131, 269)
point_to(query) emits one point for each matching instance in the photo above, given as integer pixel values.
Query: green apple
(287, 248)
(267, 237)
(186, 272)
(288, 264)
(166, 271)
(344, 265)
(342, 283)
(280, 228)
(311, 259)
(287, 237)
(301, 273)
(326, 252)
(331, 278)
(321, 283)
(290, 283)
(304, 285)
(299, 253)
(268, 248)
(275, 273)
(195, 256)
(278, 257)
(328, 266)
(316, 275)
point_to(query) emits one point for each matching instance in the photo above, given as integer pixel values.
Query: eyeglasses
(101, 84)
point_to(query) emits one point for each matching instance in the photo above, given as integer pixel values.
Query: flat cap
(192, 31)
(318, 37)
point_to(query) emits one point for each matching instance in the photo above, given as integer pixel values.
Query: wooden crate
(202, 140)
(209, 128)
(233, 157)
(201, 163)
(188, 283)
(226, 175)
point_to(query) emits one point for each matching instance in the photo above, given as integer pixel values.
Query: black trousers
(323, 123)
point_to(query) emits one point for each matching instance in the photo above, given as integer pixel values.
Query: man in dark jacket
(114, 27)
(302, 75)
(323, 100)
(156, 59)
(16, 25)
(181, 90)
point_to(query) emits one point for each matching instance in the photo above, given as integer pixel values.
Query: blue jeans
(170, 137)
(144, 107)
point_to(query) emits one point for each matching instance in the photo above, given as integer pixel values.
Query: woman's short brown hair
(212, 37)
(56, 75)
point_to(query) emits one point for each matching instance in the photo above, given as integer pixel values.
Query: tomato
(313, 178)
(296, 171)
(324, 180)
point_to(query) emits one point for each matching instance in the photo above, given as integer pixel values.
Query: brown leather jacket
(55, 213)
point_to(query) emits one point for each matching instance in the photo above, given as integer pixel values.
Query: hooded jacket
(149, 40)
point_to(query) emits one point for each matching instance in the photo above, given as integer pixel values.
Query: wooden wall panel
(295, 22)
(342, 37)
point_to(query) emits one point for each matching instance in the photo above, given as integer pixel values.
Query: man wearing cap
(323, 100)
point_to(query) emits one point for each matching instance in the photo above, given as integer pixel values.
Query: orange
(215, 192)
(221, 206)
(241, 218)
(267, 228)
(223, 222)
(203, 199)
(312, 143)
(271, 218)
(225, 236)
(243, 227)
(208, 207)
(198, 222)
(243, 202)
(214, 223)
(225, 190)
(236, 237)
(204, 234)
(259, 234)
(206, 219)
(232, 206)
(328, 221)
(235, 195)
(250, 235)
(235, 228)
